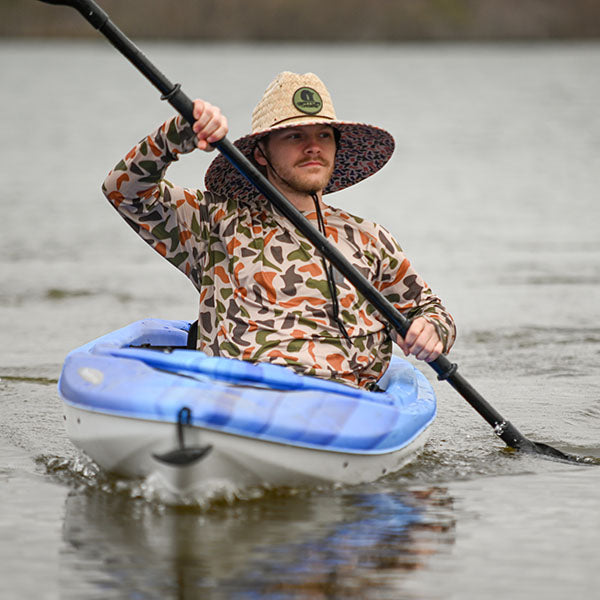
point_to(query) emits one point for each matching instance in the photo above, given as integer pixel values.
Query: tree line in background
(316, 20)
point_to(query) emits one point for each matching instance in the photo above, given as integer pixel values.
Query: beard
(304, 182)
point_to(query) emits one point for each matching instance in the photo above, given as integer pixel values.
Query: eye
(327, 134)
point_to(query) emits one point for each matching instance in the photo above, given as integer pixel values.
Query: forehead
(308, 129)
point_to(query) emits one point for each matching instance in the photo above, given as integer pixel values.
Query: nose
(313, 144)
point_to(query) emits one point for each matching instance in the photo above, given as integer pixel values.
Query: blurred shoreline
(315, 20)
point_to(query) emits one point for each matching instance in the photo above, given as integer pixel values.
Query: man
(265, 292)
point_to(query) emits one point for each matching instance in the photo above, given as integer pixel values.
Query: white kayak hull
(126, 447)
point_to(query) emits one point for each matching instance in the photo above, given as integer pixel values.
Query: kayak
(140, 404)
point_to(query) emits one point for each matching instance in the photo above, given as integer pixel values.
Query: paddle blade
(73, 3)
(555, 454)
(87, 8)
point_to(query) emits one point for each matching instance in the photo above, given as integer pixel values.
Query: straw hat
(292, 100)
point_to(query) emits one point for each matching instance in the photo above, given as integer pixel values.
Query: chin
(312, 187)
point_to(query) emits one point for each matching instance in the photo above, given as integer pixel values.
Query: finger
(210, 134)
(414, 331)
(401, 342)
(220, 132)
(208, 114)
(419, 335)
(431, 351)
(199, 106)
(211, 131)
(202, 145)
(423, 345)
(202, 124)
(203, 111)
(409, 339)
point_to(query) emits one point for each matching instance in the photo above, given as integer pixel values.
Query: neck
(302, 201)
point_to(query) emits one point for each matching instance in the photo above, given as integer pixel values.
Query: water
(493, 192)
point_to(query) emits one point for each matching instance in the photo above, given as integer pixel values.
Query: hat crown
(292, 99)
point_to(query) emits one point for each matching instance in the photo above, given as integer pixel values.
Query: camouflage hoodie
(263, 291)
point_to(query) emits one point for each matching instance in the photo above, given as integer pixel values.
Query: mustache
(320, 161)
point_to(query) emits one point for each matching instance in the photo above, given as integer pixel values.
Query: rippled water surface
(493, 193)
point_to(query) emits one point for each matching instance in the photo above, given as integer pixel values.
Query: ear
(259, 156)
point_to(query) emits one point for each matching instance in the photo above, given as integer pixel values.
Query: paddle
(445, 369)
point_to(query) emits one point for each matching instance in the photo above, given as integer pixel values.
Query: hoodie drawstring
(330, 278)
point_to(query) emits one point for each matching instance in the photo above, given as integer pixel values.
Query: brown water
(493, 192)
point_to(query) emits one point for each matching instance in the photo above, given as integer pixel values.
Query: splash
(82, 474)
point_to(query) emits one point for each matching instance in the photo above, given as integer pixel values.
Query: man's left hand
(421, 341)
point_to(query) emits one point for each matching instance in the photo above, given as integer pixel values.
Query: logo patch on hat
(308, 101)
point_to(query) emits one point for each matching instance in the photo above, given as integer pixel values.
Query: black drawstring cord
(329, 273)
(326, 265)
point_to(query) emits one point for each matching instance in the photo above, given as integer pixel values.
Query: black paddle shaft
(173, 94)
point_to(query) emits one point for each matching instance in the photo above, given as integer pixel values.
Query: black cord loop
(170, 94)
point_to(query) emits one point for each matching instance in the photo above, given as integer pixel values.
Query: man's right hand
(210, 125)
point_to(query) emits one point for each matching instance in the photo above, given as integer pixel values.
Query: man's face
(302, 157)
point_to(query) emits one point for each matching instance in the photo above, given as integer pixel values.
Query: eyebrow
(320, 126)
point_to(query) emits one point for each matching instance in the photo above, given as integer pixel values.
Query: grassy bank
(317, 20)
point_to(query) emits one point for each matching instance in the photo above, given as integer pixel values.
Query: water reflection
(309, 545)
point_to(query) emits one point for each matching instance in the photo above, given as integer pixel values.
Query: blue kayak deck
(114, 375)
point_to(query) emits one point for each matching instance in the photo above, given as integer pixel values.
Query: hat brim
(362, 151)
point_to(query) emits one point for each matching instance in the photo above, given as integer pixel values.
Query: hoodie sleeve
(174, 220)
(403, 286)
